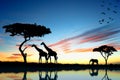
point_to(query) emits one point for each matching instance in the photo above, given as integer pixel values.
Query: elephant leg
(46, 59)
(55, 59)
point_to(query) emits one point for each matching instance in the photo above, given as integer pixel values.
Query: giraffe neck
(37, 48)
(48, 49)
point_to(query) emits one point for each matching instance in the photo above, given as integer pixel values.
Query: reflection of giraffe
(41, 53)
(45, 77)
(50, 52)
(55, 76)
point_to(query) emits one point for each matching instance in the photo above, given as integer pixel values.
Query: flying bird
(115, 12)
(111, 18)
(103, 13)
(102, 20)
(108, 9)
(115, 6)
(102, 5)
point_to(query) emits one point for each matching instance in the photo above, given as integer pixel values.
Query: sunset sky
(78, 26)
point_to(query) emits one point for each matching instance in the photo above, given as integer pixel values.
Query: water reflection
(106, 76)
(49, 75)
(93, 72)
(25, 75)
(54, 74)
(41, 77)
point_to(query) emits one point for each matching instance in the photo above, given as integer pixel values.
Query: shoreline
(32, 67)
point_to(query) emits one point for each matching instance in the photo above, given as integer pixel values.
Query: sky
(77, 26)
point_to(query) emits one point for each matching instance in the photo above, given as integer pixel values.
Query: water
(62, 75)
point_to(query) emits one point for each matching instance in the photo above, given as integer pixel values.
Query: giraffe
(41, 53)
(50, 52)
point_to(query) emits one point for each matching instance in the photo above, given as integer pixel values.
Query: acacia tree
(105, 51)
(27, 31)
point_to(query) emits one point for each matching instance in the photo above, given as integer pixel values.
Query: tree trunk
(25, 60)
(22, 51)
(105, 61)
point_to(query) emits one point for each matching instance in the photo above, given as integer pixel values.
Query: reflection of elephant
(93, 61)
(55, 76)
(93, 72)
(106, 76)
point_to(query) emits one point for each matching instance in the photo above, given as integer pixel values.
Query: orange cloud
(17, 56)
(3, 55)
(13, 77)
(13, 57)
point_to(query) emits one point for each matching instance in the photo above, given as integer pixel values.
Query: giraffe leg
(46, 59)
(40, 60)
(54, 59)
(50, 59)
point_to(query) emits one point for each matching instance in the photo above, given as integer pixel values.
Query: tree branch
(102, 55)
(24, 49)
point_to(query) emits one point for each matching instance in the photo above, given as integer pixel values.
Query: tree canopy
(105, 51)
(26, 30)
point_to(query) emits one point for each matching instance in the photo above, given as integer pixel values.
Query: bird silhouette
(102, 20)
(103, 13)
(115, 6)
(102, 5)
(115, 12)
(108, 9)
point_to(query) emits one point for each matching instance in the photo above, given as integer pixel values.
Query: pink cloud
(82, 50)
(94, 35)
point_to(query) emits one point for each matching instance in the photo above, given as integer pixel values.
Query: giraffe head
(33, 45)
(42, 43)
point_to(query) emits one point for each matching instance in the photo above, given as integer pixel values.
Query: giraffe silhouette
(50, 52)
(55, 76)
(41, 53)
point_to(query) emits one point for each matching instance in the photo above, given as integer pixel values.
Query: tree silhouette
(105, 51)
(27, 31)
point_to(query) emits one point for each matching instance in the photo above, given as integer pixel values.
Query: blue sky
(74, 23)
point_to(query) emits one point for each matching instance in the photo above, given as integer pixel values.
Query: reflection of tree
(106, 76)
(93, 72)
(25, 75)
